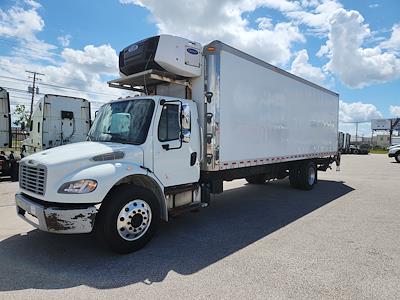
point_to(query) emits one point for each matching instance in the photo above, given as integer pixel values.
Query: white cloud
(357, 112)
(301, 67)
(356, 66)
(205, 21)
(315, 14)
(64, 40)
(394, 110)
(394, 41)
(85, 69)
(23, 24)
(375, 5)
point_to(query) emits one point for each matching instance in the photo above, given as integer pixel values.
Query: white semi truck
(5, 119)
(206, 115)
(57, 120)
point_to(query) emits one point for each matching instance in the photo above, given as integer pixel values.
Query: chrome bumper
(55, 219)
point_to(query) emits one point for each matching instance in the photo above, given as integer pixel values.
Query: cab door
(176, 159)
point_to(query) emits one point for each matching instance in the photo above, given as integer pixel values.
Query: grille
(33, 178)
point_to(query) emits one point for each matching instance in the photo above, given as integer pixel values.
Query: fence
(17, 136)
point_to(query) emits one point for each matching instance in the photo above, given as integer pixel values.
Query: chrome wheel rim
(311, 176)
(134, 220)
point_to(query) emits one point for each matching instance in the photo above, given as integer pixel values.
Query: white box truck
(206, 115)
(57, 120)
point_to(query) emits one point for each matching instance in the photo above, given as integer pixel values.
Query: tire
(356, 151)
(257, 179)
(294, 178)
(397, 157)
(304, 177)
(122, 207)
(14, 171)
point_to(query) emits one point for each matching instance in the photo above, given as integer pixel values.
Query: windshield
(123, 122)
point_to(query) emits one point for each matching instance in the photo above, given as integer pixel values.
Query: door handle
(193, 158)
(165, 147)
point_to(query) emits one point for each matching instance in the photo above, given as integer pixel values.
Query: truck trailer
(206, 114)
(57, 120)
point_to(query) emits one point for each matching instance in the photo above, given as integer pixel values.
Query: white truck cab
(57, 120)
(206, 115)
(5, 120)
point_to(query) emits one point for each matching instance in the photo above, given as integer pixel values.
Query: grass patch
(378, 151)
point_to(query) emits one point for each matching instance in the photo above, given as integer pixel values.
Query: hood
(84, 151)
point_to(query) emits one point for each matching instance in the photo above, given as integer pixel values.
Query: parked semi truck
(8, 162)
(57, 120)
(346, 143)
(5, 119)
(206, 115)
(341, 136)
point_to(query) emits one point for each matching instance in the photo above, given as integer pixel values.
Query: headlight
(78, 187)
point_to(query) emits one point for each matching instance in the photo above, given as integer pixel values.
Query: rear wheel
(304, 177)
(257, 179)
(128, 218)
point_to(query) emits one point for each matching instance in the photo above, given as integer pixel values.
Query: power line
(61, 87)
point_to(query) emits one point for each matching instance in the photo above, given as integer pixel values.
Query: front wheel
(128, 218)
(397, 157)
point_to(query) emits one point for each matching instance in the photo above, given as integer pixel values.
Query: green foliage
(378, 151)
(21, 116)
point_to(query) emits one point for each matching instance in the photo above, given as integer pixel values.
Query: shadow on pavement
(187, 244)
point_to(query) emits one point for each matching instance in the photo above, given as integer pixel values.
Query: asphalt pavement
(338, 241)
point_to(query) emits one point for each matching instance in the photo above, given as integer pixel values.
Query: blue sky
(352, 47)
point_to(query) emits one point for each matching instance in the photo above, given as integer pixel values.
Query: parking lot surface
(338, 241)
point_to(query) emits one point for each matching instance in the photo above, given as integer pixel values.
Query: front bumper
(66, 220)
(392, 154)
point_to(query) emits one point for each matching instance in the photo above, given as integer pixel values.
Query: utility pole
(356, 123)
(357, 133)
(34, 78)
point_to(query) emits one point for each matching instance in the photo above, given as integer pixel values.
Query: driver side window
(169, 126)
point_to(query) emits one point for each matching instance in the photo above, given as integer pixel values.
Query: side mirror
(186, 123)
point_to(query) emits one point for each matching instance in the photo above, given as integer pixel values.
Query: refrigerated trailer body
(5, 120)
(57, 120)
(206, 115)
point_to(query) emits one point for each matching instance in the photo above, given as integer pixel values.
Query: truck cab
(152, 142)
(57, 120)
(164, 130)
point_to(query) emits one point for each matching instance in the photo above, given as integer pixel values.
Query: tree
(21, 116)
